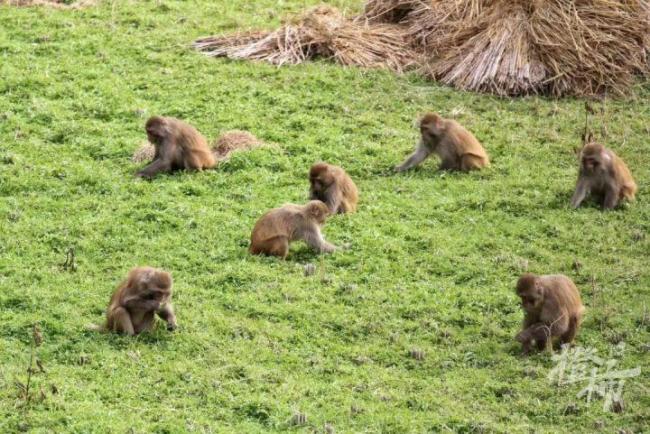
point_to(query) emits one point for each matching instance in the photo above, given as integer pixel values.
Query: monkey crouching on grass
(332, 185)
(276, 229)
(457, 148)
(552, 309)
(146, 292)
(178, 145)
(604, 175)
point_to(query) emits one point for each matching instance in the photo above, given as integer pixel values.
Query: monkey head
(320, 178)
(157, 129)
(531, 294)
(151, 284)
(317, 211)
(431, 127)
(594, 158)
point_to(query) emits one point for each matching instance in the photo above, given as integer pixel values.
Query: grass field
(432, 257)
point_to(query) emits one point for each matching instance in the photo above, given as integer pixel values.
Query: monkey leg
(611, 197)
(277, 246)
(470, 162)
(122, 321)
(166, 312)
(571, 332)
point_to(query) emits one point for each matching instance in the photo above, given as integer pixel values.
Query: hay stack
(234, 140)
(520, 47)
(145, 152)
(505, 47)
(322, 32)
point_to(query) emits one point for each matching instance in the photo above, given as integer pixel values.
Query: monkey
(278, 227)
(604, 175)
(146, 291)
(457, 148)
(178, 145)
(552, 309)
(332, 185)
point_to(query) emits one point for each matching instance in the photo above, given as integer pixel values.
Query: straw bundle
(520, 47)
(505, 47)
(322, 32)
(387, 11)
(516, 47)
(145, 152)
(234, 140)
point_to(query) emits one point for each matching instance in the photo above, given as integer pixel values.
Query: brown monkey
(604, 175)
(457, 148)
(145, 292)
(552, 308)
(178, 145)
(277, 228)
(332, 185)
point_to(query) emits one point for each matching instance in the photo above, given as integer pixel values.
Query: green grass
(432, 261)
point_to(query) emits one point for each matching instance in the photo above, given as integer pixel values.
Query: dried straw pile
(505, 47)
(322, 32)
(234, 140)
(518, 47)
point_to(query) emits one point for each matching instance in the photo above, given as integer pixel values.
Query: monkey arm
(420, 154)
(334, 198)
(156, 166)
(166, 312)
(315, 240)
(136, 303)
(611, 196)
(582, 188)
(121, 321)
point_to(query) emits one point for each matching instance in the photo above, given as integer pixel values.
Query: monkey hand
(142, 175)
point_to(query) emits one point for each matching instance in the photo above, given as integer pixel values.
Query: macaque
(277, 228)
(552, 309)
(457, 148)
(604, 175)
(145, 292)
(178, 145)
(332, 185)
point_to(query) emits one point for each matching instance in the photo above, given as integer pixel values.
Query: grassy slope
(432, 261)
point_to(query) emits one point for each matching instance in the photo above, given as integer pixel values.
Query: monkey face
(321, 183)
(156, 130)
(531, 301)
(591, 163)
(154, 136)
(157, 294)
